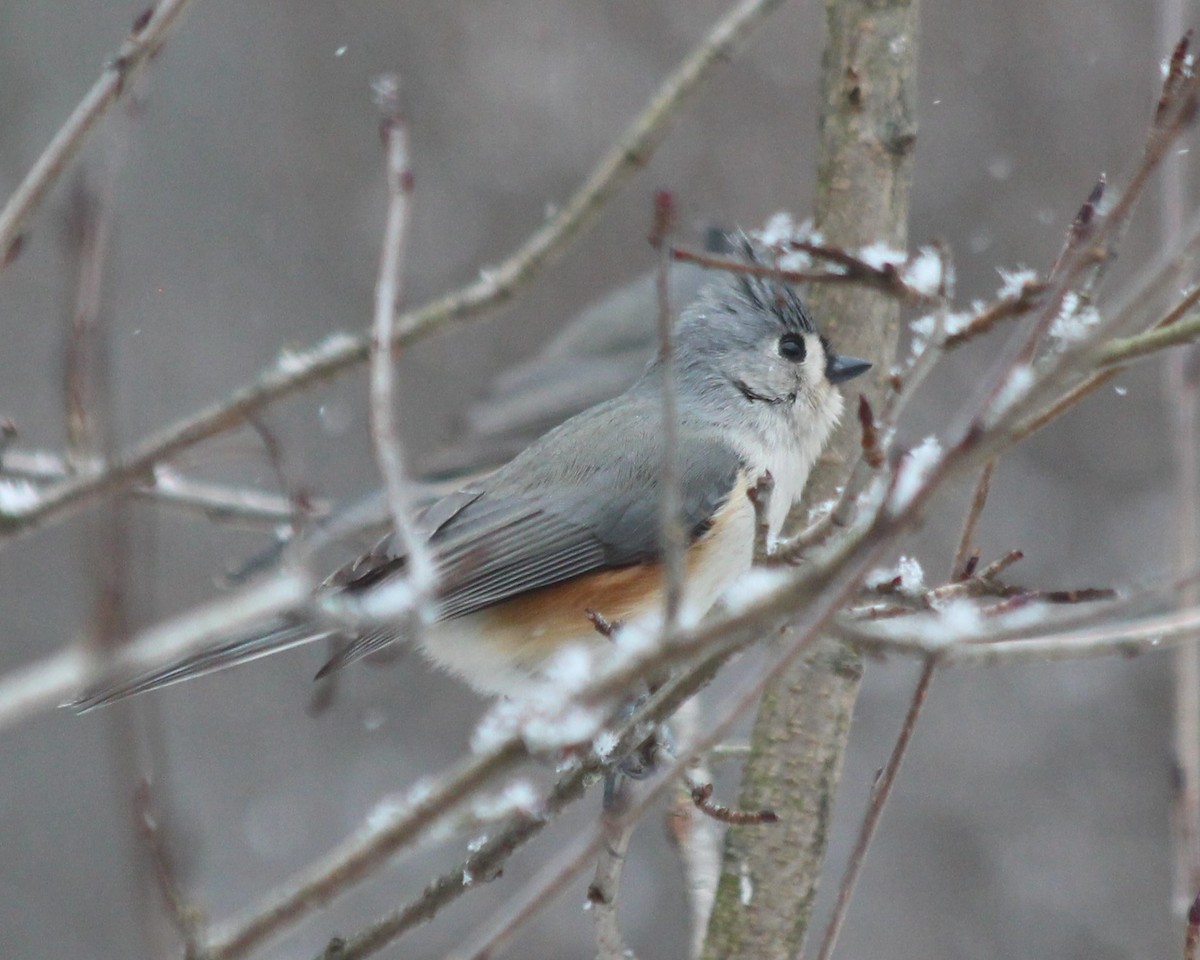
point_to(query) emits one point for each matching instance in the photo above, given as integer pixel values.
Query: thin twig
(1003, 308)
(1082, 226)
(217, 501)
(115, 80)
(186, 920)
(966, 540)
(872, 448)
(846, 267)
(543, 888)
(695, 836)
(1113, 357)
(703, 801)
(879, 798)
(760, 498)
(1007, 406)
(1176, 111)
(603, 890)
(671, 533)
(1158, 632)
(388, 455)
(1062, 404)
(1192, 936)
(340, 352)
(107, 548)
(1141, 297)
(1169, 332)
(1182, 383)
(297, 496)
(1183, 395)
(222, 502)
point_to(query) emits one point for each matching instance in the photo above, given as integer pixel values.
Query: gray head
(749, 347)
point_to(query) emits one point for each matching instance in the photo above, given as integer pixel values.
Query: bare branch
(1004, 308)
(1159, 632)
(879, 798)
(485, 861)
(872, 451)
(115, 80)
(388, 455)
(1192, 937)
(1182, 387)
(340, 352)
(694, 835)
(1166, 334)
(760, 498)
(844, 267)
(185, 918)
(213, 500)
(672, 534)
(702, 798)
(1176, 111)
(1082, 226)
(603, 890)
(966, 540)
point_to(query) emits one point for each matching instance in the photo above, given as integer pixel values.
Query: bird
(526, 556)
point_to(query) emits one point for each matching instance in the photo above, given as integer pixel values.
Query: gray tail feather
(362, 646)
(277, 637)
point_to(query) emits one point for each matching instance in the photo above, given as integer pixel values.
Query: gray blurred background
(1031, 819)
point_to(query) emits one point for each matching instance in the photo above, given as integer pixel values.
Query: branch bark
(868, 131)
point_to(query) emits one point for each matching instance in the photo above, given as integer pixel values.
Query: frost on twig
(916, 278)
(914, 469)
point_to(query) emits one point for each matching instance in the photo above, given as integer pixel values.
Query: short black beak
(845, 368)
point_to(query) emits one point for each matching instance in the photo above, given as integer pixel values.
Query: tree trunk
(868, 131)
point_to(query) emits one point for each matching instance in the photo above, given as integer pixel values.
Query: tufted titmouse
(571, 524)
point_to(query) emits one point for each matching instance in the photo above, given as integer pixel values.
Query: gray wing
(562, 509)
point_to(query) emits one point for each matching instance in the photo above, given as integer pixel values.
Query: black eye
(791, 347)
